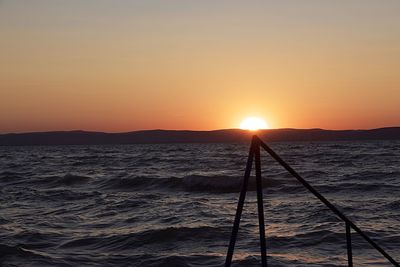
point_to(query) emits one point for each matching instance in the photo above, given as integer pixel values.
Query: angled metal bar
(260, 205)
(326, 202)
(239, 209)
(349, 248)
(372, 243)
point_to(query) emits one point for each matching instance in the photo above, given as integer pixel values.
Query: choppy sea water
(174, 204)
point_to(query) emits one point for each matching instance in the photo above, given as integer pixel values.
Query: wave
(195, 236)
(393, 205)
(17, 250)
(66, 194)
(220, 183)
(64, 180)
(6, 250)
(157, 236)
(361, 187)
(19, 255)
(191, 183)
(308, 239)
(57, 180)
(71, 179)
(12, 176)
(276, 181)
(369, 175)
(200, 183)
(172, 259)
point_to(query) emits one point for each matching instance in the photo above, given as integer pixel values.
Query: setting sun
(253, 124)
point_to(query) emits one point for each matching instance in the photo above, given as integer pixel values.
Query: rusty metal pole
(349, 248)
(260, 204)
(239, 209)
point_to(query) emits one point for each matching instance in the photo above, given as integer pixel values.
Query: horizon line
(188, 130)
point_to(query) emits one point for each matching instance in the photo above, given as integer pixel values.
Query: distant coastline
(183, 136)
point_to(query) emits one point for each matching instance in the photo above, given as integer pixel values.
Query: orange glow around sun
(253, 124)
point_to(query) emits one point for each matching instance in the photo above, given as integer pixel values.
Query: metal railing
(254, 154)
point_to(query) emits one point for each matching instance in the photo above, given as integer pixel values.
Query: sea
(174, 204)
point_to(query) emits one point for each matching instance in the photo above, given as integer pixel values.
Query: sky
(121, 65)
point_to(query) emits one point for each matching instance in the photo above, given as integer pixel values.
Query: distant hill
(218, 136)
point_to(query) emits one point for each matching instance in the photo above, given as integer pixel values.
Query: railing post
(260, 204)
(239, 209)
(349, 248)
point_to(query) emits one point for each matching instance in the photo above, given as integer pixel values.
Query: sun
(253, 124)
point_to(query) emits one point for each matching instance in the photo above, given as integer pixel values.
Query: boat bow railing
(254, 154)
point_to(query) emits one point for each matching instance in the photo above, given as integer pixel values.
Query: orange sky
(129, 65)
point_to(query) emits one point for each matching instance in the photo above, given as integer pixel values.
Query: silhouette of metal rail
(254, 154)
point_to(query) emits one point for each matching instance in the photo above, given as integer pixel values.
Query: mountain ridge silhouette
(80, 137)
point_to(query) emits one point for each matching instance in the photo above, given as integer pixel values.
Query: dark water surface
(173, 205)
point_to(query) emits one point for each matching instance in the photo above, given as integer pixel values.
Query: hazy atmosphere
(129, 65)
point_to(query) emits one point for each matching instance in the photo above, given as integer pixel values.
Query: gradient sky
(129, 65)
